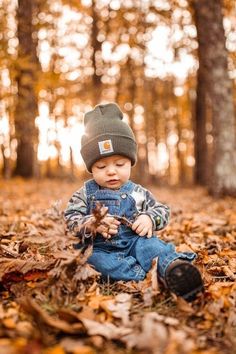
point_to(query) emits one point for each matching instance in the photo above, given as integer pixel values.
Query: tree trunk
(6, 168)
(201, 153)
(214, 65)
(26, 107)
(96, 57)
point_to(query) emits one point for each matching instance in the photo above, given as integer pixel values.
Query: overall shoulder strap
(91, 187)
(128, 187)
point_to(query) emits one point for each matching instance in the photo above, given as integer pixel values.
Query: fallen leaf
(54, 350)
(9, 323)
(75, 346)
(107, 330)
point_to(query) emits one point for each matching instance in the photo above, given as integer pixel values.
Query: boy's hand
(109, 226)
(143, 225)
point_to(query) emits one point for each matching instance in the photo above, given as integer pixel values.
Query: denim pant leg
(116, 265)
(146, 249)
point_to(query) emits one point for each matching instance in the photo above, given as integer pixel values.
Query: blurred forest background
(169, 64)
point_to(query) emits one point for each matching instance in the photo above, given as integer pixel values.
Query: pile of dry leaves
(52, 302)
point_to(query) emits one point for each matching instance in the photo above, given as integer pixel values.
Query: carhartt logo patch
(105, 146)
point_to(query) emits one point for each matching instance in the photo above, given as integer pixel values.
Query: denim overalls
(126, 256)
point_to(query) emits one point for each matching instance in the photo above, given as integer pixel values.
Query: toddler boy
(125, 251)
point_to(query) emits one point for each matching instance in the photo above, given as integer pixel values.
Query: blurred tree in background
(59, 58)
(27, 69)
(215, 95)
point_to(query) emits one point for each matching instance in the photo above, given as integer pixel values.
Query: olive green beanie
(106, 134)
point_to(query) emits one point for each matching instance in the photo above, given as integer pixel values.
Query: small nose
(111, 170)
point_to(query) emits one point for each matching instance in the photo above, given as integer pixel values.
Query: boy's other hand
(143, 226)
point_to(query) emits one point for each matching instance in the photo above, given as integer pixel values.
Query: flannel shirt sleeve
(75, 213)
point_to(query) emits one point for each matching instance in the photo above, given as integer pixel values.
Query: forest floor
(52, 302)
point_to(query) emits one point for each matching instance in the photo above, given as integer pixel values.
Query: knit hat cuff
(105, 136)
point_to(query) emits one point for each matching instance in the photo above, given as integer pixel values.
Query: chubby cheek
(101, 176)
(97, 175)
(123, 176)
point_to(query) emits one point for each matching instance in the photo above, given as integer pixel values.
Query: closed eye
(120, 163)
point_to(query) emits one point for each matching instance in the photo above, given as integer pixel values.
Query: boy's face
(112, 172)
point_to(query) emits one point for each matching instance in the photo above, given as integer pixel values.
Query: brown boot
(184, 279)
